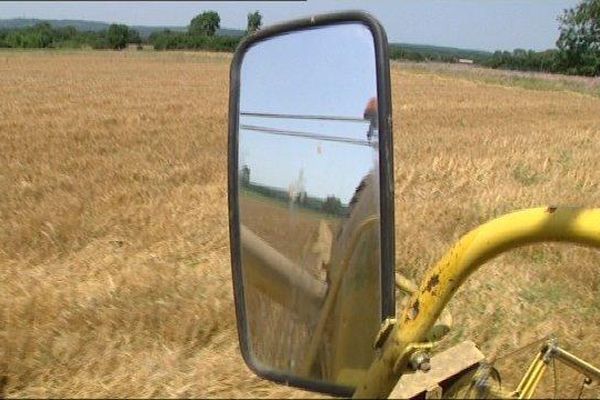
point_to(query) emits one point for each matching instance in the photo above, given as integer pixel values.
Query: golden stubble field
(114, 253)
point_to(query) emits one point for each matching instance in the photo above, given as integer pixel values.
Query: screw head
(420, 361)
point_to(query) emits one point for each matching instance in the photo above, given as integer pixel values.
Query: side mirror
(311, 199)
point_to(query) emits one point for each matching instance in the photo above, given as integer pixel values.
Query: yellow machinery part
(551, 351)
(531, 378)
(545, 224)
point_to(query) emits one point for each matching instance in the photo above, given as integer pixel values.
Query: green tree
(205, 24)
(245, 176)
(254, 21)
(579, 40)
(133, 36)
(117, 36)
(332, 205)
(43, 32)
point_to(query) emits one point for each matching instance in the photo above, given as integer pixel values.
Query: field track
(114, 253)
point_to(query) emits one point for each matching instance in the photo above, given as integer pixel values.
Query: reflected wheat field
(114, 247)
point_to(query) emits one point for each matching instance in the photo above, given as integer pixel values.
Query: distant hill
(95, 26)
(429, 51)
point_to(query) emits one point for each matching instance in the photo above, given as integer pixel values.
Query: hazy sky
(475, 24)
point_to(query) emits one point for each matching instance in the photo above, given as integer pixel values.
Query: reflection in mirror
(308, 193)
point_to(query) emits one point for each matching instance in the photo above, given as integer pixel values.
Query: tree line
(577, 52)
(578, 46)
(201, 34)
(43, 35)
(525, 60)
(422, 53)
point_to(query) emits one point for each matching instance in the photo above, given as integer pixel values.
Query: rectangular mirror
(311, 202)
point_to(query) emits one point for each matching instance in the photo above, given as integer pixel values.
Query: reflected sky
(330, 71)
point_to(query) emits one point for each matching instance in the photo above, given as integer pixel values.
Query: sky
(472, 24)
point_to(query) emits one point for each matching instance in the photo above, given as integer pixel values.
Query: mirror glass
(309, 210)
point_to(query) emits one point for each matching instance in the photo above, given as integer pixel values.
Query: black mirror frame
(386, 177)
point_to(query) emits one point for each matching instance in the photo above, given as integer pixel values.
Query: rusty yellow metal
(545, 224)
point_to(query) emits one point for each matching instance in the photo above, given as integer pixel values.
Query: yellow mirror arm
(548, 224)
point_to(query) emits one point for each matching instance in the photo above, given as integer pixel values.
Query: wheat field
(114, 250)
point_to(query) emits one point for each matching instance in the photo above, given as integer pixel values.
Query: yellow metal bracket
(534, 374)
(544, 224)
